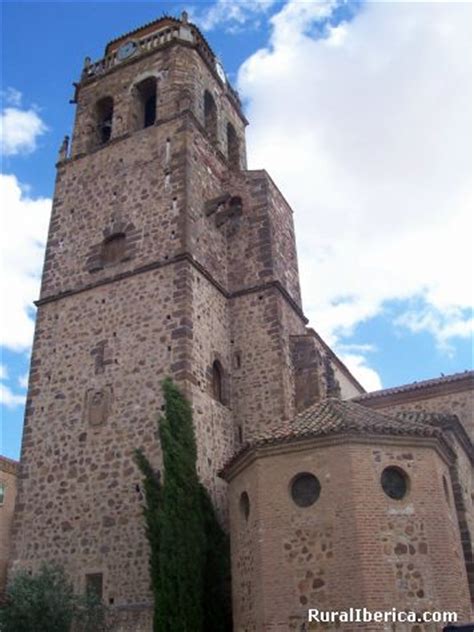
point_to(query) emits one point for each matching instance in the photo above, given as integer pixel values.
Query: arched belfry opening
(145, 103)
(104, 117)
(210, 116)
(233, 152)
(218, 382)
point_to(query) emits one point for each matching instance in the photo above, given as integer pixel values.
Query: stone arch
(144, 96)
(119, 244)
(114, 248)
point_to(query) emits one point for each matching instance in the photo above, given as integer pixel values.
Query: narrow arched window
(232, 147)
(210, 116)
(145, 103)
(218, 382)
(104, 116)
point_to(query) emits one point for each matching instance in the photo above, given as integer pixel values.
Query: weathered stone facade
(167, 257)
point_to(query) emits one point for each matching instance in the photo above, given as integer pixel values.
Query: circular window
(244, 504)
(305, 489)
(394, 482)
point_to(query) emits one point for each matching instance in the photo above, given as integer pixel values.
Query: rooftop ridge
(165, 16)
(444, 379)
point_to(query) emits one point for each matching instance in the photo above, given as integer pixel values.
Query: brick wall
(355, 546)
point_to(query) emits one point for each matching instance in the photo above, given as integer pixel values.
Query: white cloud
(446, 325)
(12, 96)
(367, 376)
(7, 397)
(19, 129)
(230, 15)
(367, 132)
(23, 380)
(24, 223)
(10, 399)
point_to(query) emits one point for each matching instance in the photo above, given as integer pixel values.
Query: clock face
(126, 50)
(220, 72)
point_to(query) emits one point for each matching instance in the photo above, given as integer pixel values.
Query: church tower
(165, 257)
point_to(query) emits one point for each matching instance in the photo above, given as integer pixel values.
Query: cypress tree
(189, 551)
(217, 585)
(179, 602)
(152, 490)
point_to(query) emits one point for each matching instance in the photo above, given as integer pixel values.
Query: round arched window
(305, 489)
(394, 482)
(244, 504)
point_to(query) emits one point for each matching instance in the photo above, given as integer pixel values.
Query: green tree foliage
(217, 586)
(45, 602)
(152, 489)
(189, 551)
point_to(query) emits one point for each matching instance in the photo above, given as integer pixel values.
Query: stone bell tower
(165, 257)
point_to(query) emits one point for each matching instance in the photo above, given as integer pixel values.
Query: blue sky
(361, 114)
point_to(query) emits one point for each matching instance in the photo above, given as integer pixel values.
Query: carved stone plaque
(98, 405)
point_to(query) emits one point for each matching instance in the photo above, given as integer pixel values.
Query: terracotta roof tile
(440, 420)
(445, 379)
(334, 416)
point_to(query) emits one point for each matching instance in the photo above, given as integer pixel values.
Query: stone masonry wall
(78, 497)
(459, 403)
(182, 79)
(137, 184)
(214, 422)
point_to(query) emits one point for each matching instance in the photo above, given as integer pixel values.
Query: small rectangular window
(94, 585)
(2, 493)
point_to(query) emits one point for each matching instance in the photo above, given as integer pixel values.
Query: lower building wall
(8, 471)
(354, 547)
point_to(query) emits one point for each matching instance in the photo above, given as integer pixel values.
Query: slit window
(105, 113)
(217, 382)
(210, 116)
(232, 147)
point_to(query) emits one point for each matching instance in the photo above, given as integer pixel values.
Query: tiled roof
(163, 18)
(445, 379)
(333, 417)
(336, 416)
(8, 465)
(440, 420)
